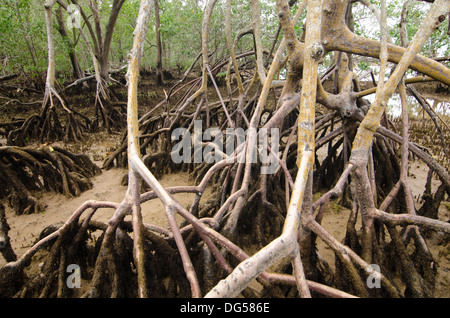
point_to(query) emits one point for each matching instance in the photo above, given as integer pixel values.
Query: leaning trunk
(104, 58)
(159, 70)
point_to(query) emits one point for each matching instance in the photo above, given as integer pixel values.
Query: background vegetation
(23, 41)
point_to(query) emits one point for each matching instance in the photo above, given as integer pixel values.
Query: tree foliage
(23, 40)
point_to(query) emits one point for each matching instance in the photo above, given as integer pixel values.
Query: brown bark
(5, 242)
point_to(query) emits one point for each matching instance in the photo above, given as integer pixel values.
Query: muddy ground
(108, 186)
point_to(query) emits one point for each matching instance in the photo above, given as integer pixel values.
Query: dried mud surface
(107, 186)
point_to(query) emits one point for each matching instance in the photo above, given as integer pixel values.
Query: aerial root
(5, 242)
(25, 170)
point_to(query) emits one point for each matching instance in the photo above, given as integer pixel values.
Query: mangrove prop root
(278, 216)
(27, 170)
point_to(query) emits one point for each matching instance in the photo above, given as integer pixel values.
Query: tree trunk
(159, 69)
(340, 38)
(77, 70)
(50, 81)
(106, 45)
(246, 207)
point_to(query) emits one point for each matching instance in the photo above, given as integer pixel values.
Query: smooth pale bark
(133, 144)
(338, 37)
(51, 71)
(77, 70)
(138, 167)
(304, 59)
(287, 244)
(372, 119)
(364, 137)
(256, 21)
(230, 46)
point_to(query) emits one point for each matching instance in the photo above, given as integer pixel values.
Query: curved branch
(338, 37)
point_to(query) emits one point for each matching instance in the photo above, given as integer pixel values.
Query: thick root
(27, 170)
